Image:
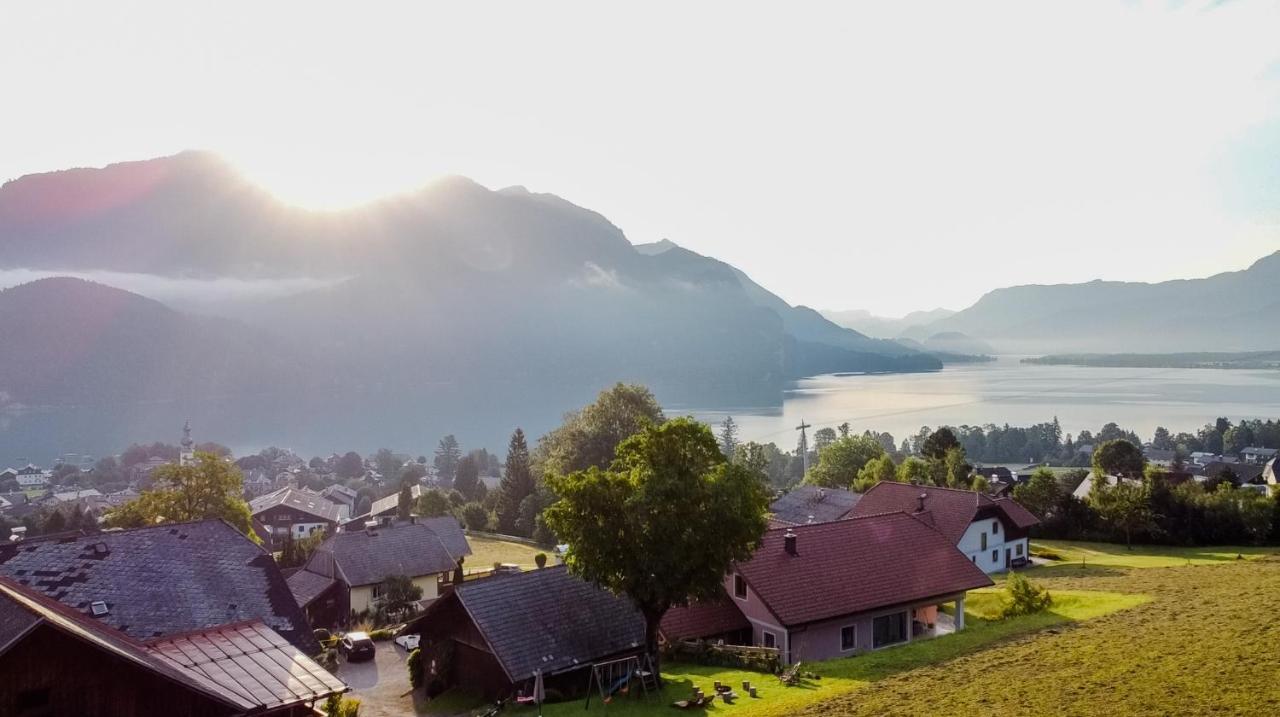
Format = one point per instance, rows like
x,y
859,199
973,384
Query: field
x,y
485,551
1144,556
1204,644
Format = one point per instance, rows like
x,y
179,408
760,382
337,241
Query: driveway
x,y
380,683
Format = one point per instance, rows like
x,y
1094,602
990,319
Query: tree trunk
x,y
652,621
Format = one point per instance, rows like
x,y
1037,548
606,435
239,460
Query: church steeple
x,y
187,456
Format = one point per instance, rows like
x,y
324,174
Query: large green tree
x,y
1119,457
517,483
841,461
448,454
664,524
1126,506
590,436
210,488
1041,494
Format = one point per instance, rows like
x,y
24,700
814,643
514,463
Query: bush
x,y
328,659
414,664
381,635
540,559
339,706
1046,553
1024,597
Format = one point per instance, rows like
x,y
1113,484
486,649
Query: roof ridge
x,y
846,519
206,630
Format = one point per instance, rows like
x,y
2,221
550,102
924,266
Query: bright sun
x,y
334,181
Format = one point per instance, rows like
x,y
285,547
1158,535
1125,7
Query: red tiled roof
x,y
849,566
703,619
952,510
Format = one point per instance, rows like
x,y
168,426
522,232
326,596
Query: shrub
x,y
540,559
414,663
1024,597
328,659
1046,553
381,634
339,706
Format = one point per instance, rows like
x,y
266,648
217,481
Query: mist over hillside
x,y
443,309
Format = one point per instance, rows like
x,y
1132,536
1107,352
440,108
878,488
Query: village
x,y
325,602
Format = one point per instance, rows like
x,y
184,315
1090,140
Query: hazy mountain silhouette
x,y
1231,311
452,285
881,326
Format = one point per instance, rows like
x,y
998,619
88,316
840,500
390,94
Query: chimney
x,y
789,542
920,502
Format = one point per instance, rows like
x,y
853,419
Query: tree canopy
x,y
1119,457
589,437
517,483
664,523
211,488
842,460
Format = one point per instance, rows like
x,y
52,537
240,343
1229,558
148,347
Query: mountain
x,y
489,308
1231,311
71,341
882,326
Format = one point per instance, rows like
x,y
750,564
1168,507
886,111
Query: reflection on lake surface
x,y
1006,391
413,419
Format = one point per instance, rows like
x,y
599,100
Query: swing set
x,y
614,677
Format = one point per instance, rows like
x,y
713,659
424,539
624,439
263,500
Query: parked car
x,y
507,569
357,646
408,642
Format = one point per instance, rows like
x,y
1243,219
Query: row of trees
x,y
1146,505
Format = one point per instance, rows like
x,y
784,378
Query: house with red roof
x,y
834,589
993,533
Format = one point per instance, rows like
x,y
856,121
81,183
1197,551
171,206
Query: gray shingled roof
x,y
162,580
405,548
549,620
302,501
307,586
15,621
812,504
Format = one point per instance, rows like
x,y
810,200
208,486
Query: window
x,y
848,637
376,592
995,556
995,527
739,587
768,638
1017,550
974,559
889,629
984,541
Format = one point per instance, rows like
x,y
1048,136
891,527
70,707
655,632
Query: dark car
x,y
357,646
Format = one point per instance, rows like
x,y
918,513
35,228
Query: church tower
x,y
187,457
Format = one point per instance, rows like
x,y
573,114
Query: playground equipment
x,y
614,677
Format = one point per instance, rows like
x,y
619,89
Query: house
x,y
386,507
813,504
32,477
58,660
341,495
995,473
292,511
1258,455
8,474
163,580
1201,457
1241,473
72,495
1271,476
828,590
345,574
991,532
1160,457
715,620
498,631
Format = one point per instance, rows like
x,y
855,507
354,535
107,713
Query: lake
x,y
1007,391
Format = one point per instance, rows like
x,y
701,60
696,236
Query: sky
x,y
889,156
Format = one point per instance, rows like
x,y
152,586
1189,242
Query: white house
x,y
32,477
1253,454
991,532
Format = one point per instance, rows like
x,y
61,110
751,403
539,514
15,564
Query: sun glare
x,y
335,183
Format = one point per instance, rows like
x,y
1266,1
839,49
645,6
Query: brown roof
x,y
254,662
247,666
854,565
703,619
951,510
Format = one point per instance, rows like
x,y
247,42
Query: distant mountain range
x,y
1231,311
882,326
443,290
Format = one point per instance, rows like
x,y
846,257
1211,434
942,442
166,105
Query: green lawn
x,y
843,676
1205,643
485,551
1144,556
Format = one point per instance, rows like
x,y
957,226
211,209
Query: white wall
x,y
971,545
